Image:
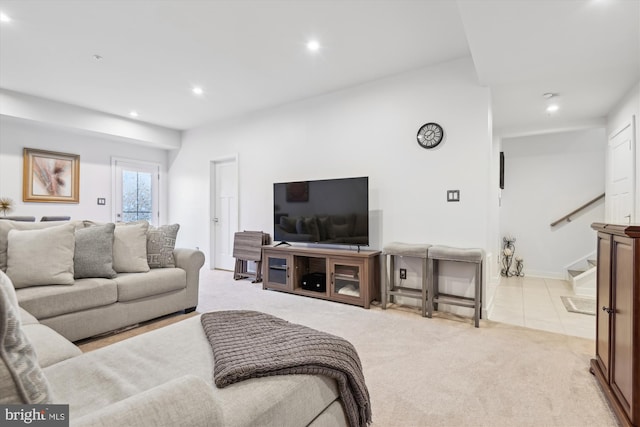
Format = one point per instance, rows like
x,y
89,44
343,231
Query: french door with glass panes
x,y
135,191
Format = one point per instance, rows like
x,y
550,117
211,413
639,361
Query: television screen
x,y
330,211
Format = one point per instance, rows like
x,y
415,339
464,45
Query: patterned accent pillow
x,y
21,378
161,241
93,256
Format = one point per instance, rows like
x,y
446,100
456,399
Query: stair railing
x,y
568,216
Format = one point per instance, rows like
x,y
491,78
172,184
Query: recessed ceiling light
x,y
197,90
133,113
552,108
4,17
313,45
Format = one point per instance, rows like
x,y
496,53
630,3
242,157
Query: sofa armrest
x,y
185,401
190,260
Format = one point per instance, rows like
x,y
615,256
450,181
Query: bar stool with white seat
x,y
445,253
389,253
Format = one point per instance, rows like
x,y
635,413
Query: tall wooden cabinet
x,y
338,275
617,360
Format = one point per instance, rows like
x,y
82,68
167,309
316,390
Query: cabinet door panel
x,y
276,271
346,280
604,300
622,331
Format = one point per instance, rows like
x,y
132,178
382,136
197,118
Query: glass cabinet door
x,y
346,279
277,271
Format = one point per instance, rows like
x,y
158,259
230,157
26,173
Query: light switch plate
x,y
102,201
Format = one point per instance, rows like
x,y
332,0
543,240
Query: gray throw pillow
x,y
161,241
21,378
93,256
41,257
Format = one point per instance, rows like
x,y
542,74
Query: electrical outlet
x,y
453,195
403,273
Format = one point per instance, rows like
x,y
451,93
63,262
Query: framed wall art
x,y
50,177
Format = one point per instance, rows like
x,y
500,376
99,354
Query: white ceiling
x,y
250,54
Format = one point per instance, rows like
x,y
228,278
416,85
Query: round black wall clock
x,y
430,135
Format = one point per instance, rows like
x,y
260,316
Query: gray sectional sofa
x,y
53,272
160,378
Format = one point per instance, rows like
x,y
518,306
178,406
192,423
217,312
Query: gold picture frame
x,y
50,177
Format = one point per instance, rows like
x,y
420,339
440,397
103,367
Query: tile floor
x,y
535,303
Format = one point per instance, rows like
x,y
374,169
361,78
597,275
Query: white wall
x,y
95,152
546,177
628,107
368,130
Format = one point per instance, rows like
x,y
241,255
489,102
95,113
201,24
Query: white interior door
x,y
224,212
621,176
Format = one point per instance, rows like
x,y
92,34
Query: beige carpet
x,y
442,371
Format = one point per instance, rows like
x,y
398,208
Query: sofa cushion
x,y
184,401
50,346
161,241
49,301
41,257
21,378
27,318
130,247
157,281
6,226
93,255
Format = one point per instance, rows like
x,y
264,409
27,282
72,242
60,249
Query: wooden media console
x,y
340,275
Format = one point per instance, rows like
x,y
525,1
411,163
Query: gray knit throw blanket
x,y
250,344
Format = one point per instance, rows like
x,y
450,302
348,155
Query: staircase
x,y
582,276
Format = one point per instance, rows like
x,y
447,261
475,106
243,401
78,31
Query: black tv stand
x,y
282,244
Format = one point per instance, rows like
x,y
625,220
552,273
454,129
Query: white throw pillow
x,y
130,247
41,257
6,226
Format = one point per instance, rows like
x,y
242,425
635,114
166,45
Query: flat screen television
x,y
328,211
